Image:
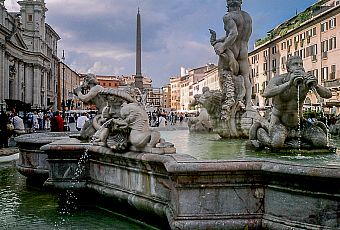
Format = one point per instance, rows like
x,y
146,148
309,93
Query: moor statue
x,y
287,124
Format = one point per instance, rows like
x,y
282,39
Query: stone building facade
x,y
28,56
108,81
183,88
314,35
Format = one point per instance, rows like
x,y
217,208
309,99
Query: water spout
x,y
299,118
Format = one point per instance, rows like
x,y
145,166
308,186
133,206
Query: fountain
x,y
287,128
230,109
129,165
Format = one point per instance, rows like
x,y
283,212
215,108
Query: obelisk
x,y
139,77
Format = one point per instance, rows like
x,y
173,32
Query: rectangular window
x,y
265,66
302,53
30,18
274,64
265,53
332,23
302,36
324,26
283,62
324,46
274,50
324,73
314,49
333,71
314,31
315,73
332,43
289,42
283,45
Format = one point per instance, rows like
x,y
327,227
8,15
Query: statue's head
x,y
294,63
205,89
89,79
234,3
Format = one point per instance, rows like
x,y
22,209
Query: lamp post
x,y
63,106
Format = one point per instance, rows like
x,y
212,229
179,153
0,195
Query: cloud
x,y
99,35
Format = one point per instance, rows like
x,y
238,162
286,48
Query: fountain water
x,y
299,116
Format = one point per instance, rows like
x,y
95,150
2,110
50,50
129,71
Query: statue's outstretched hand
x,y
311,81
212,37
77,90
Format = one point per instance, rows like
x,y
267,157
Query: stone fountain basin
x,y
32,162
185,193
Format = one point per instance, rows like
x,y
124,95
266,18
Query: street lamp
x,y
63,58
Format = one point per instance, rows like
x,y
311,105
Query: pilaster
x,y
2,71
36,86
29,83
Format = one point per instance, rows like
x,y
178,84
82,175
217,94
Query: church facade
x,y
28,57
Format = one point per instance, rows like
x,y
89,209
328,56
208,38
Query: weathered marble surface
x,y
32,162
287,127
121,124
233,103
188,194
202,123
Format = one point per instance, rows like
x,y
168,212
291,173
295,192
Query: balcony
x,y
335,83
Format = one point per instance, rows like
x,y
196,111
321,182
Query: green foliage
x,y
291,24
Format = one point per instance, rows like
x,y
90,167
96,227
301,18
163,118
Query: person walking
x,y
57,123
81,121
18,123
35,121
4,132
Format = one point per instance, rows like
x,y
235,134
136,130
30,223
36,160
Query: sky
x,y
98,36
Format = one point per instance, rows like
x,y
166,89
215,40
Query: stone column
x,y
43,90
29,82
6,75
2,72
20,80
36,85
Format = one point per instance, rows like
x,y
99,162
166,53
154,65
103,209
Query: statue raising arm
x,y
312,82
86,98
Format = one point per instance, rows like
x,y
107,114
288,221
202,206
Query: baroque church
x,y
28,58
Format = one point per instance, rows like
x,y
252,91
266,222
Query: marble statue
x,y
122,123
235,115
91,85
133,127
232,50
287,126
100,97
201,123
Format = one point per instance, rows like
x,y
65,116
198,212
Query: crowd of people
x,y
14,124
162,118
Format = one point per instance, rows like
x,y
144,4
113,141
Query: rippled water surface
x,y
211,147
23,207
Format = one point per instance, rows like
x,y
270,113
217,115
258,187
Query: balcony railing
x,y
332,83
